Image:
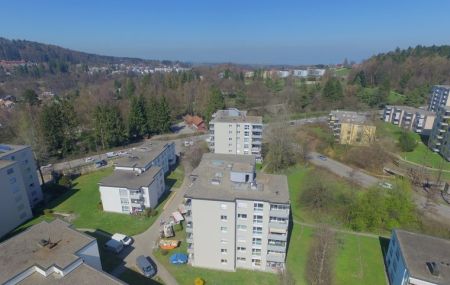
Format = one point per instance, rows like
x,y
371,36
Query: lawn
x,y
395,98
175,178
343,71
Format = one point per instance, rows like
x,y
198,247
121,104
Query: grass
x,y
175,178
395,98
342,72
297,258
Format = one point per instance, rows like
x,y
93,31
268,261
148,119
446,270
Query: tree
x,y
137,119
163,118
281,148
215,102
407,142
319,268
130,87
333,89
317,195
30,97
109,128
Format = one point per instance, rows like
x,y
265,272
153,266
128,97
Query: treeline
x,y
409,71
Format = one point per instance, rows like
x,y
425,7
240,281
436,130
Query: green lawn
x,y
175,178
301,238
395,98
343,71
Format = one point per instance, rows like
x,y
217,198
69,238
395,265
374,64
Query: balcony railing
x,y
279,213
276,257
278,225
282,237
273,247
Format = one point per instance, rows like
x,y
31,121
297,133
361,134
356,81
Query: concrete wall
x,y
14,205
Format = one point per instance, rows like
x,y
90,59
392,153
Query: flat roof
x,y
83,274
217,168
235,116
412,109
418,249
6,149
350,117
140,157
24,250
131,179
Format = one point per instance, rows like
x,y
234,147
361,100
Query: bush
x,y
164,252
407,142
199,281
149,212
65,181
48,212
100,206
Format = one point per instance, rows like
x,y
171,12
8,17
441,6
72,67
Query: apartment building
x,y
440,135
235,217
27,166
130,192
410,118
439,97
351,127
233,132
52,253
138,178
14,206
417,259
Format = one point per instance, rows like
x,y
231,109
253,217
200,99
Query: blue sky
x,y
260,32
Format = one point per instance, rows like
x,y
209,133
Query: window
x,y
124,201
241,227
246,133
246,145
230,132
256,241
241,248
245,139
242,216
223,206
223,217
10,171
256,251
246,127
258,207
257,230
257,219
230,139
223,261
223,251
256,262
125,209
241,259
230,125
223,229
279,207
230,144
277,220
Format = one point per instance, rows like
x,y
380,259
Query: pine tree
x,y
109,128
163,118
137,119
216,102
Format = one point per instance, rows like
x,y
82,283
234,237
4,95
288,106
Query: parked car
x,y
145,266
89,159
122,153
125,240
114,246
385,185
111,154
188,143
100,163
322,157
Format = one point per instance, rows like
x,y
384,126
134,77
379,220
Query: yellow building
x,y
351,128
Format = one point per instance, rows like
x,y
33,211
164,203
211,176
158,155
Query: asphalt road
x,y
343,170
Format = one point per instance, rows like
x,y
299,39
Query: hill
x,y
44,53
407,71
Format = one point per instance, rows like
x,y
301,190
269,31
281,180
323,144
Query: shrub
x,y
199,281
48,212
100,206
65,181
149,212
407,142
164,252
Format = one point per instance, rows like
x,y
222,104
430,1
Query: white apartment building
x,y
410,118
233,132
130,192
417,259
439,97
14,206
27,166
52,253
138,179
440,134
235,217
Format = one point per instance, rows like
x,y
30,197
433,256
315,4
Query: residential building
x,y
155,153
417,259
283,73
27,166
236,218
316,72
410,118
233,132
440,135
14,206
351,127
138,179
195,122
130,192
439,97
300,73
52,253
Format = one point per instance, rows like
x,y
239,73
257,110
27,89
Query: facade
x,y
417,259
235,217
27,165
414,119
130,192
14,206
52,253
440,135
439,97
351,128
138,179
233,132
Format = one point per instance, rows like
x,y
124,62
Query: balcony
x,y
137,203
256,134
274,236
188,204
277,225
190,238
279,213
437,144
276,257
190,248
211,139
279,248
189,227
211,126
256,150
136,195
439,137
257,127
256,142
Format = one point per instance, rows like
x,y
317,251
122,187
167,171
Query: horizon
x,y
253,33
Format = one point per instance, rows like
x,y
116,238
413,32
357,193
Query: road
x,y
343,170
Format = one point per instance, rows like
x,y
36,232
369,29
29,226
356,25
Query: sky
x,y
246,31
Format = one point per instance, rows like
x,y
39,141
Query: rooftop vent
x,y
434,268
47,243
215,181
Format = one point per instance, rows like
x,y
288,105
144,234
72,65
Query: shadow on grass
x,y
170,182
384,245
132,277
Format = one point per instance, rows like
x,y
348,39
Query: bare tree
x,y
285,278
319,269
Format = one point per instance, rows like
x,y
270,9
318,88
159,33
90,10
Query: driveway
x,y
343,170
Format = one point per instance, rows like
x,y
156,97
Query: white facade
x,y
233,132
24,156
300,73
440,134
439,97
414,119
14,206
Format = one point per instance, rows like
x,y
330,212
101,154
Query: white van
x,y
125,240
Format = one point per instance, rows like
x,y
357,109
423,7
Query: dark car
x,y
145,266
100,163
322,157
